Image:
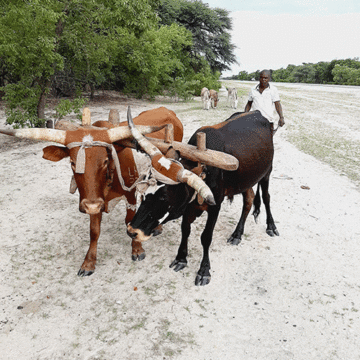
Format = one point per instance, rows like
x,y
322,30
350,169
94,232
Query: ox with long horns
x,y
247,138
103,165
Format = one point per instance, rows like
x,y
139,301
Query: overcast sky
x,y
273,34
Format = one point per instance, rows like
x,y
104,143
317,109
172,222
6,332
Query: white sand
x,y
296,296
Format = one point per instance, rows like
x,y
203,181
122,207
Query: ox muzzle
x,y
137,234
92,207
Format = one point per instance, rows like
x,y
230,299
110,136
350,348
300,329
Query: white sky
x,y
270,34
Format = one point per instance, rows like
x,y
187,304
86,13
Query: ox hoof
x,y
178,265
83,272
234,240
202,280
272,233
138,257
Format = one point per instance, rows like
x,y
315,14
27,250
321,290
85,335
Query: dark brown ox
x,y
249,138
95,170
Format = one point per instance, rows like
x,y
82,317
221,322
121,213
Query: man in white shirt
x,y
265,98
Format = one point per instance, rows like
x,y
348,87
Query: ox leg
x,y
189,217
203,276
137,251
257,203
271,228
88,266
248,198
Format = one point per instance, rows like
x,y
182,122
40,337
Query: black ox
x,y
248,137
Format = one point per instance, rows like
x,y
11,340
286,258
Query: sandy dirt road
x,y
296,296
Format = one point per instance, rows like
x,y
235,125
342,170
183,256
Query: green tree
x,y
283,75
39,38
346,75
345,72
243,75
323,73
28,50
155,61
304,73
210,31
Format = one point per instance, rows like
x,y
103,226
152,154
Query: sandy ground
x,y
296,296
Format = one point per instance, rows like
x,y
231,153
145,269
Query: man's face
x,y
264,80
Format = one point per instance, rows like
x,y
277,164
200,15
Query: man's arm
x,y
278,108
248,106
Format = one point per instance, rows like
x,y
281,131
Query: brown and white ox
x,y
205,98
214,97
98,157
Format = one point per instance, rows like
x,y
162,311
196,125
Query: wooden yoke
x,y
201,143
198,154
169,133
202,155
209,157
114,117
86,117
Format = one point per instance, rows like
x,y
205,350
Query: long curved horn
x,y
123,132
148,147
198,185
54,135
168,168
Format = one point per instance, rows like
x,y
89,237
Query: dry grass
x,y
322,121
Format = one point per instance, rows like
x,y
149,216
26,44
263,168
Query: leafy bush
x,y
206,79
182,88
21,106
67,106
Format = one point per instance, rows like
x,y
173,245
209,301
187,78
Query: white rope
x,y
142,183
80,160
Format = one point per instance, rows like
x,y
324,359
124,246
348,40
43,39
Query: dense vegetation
x,y
342,72
142,47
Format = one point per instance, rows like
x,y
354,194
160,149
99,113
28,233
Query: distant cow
x,y
214,98
232,97
103,166
205,98
249,138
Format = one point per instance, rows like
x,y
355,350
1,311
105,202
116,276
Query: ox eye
x,y
73,165
106,162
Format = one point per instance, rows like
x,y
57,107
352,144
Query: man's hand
x,y
281,121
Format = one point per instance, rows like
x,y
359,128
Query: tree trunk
x,y
92,87
42,100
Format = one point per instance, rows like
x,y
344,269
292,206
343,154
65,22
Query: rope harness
x,y
80,160
142,183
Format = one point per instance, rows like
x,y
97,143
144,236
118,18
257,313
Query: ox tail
x,y
257,203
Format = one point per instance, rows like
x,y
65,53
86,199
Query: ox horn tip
x,y
129,118
210,200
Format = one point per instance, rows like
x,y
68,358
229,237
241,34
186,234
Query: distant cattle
x,y
205,98
232,97
249,138
214,98
103,165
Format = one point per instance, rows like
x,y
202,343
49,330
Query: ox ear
x,y
55,153
199,170
173,154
